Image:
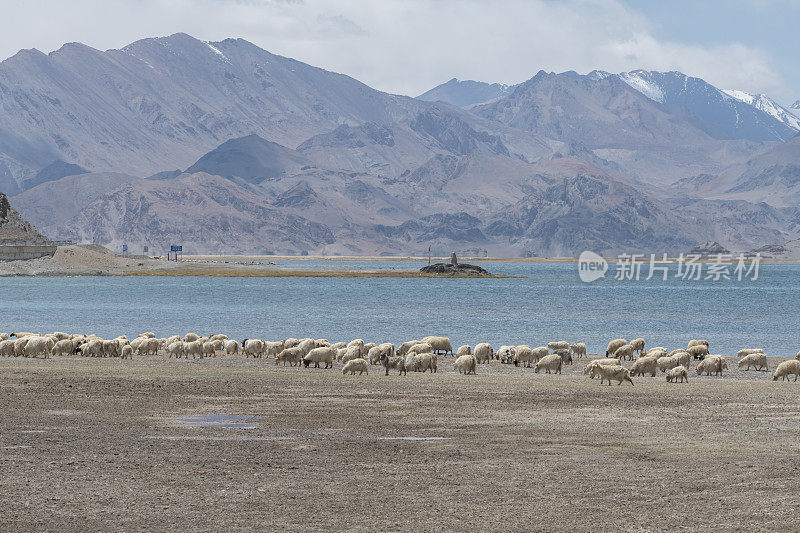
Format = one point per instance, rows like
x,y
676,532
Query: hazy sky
x,y
409,46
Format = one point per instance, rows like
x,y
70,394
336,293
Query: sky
x,y
410,46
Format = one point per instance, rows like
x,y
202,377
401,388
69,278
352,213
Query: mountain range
x,y
225,147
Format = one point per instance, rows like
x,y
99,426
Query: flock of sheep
x,y
416,355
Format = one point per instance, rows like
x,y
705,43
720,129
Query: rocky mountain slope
x,y
13,227
224,147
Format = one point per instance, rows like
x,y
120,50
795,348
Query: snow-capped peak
x,y
216,50
640,80
766,104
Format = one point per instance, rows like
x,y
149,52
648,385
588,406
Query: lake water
x,y
548,303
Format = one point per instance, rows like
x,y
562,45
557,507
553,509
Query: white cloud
x,y
402,46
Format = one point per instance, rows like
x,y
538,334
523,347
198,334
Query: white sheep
x,y
698,350
337,345
758,360
578,349
421,362
711,364
193,348
550,363
523,355
684,358
308,344
787,368
483,352
403,348
127,352
397,361
208,350
254,347
624,352
7,348
177,349
656,352
355,365
64,347
190,337
290,342
322,343
538,353
505,354
678,375
319,355
231,347
609,372
148,335
439,344
293,356
272,348
698,342
464,350
613,345
558,345
797,356
595,362
352,352
637,345
422,347
644,365
748,351
668,363
374,355
37,346
3,336
465,364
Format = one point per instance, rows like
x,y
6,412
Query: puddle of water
x,y
208,437
413,438
218,421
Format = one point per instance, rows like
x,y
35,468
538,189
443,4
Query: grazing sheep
x,y
19,344
308,344
405,347
797,356
340,353
193,348
272,348
293,356
464,350
758,360
698,351
624,352
668,363
58,335
787,368
523,355
483,352
208,349
218,337
566,356
465,364
748,351
374,355
254,347
637,345
614,345
64,347
322,343
352,352
397,361
7,348
355,365
578,349
439,344
538,353
506,354
387,348
609,372
424,362
147,346
711,364
191,337
550,363
290,342
317,356
127,352
337,345
684,358
177,349
231,347
22,335
644,365
148,335
3,336
422,347
37,346
602,361
558,345
656,352
678,375
698,342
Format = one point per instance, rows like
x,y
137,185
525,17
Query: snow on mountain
x,y
642,81
767,105
465,93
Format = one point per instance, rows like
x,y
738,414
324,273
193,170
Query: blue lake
x,y
548,303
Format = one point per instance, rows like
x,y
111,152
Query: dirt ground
x,y
233,444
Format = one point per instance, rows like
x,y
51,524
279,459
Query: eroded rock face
x,y
14,227
709,248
